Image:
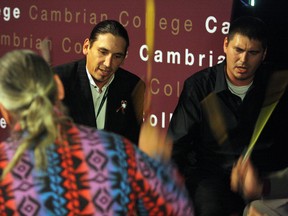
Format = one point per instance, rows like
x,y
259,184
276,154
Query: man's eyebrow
x,y
249,50
122,54
102,48
237,47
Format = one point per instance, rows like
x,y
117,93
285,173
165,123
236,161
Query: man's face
x,y
104,57
243,57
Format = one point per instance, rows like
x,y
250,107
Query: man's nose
x,y
108,60
244,57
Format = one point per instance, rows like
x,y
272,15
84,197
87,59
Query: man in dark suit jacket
x,y
98,92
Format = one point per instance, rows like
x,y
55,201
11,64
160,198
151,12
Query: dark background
x,y
275,14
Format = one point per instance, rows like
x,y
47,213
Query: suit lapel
x,y
114,121
87,107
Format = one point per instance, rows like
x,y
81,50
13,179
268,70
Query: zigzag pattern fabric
x,y
91,173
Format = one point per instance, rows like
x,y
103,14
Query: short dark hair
x,y
251,27
109,26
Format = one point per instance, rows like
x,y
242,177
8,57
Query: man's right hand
x,y
245,180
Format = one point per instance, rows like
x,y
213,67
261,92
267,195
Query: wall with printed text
x,y
188,37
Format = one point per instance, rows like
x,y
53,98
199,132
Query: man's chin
x,y
101,79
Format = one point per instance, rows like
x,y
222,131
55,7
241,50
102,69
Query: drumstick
x,y
263,117
150,26
215,117
275,90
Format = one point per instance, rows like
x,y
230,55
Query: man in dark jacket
x,y
98,93
215,118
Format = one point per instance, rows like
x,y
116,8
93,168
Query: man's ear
x,y
225,44
85,47
264,55
60,87
5,114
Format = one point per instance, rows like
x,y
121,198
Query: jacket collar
x,y
220,84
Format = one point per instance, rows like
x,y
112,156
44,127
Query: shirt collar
x,y
220,84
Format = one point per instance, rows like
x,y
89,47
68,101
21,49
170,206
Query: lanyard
x,y
102,101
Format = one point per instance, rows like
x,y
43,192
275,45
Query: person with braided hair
x,y
52,166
